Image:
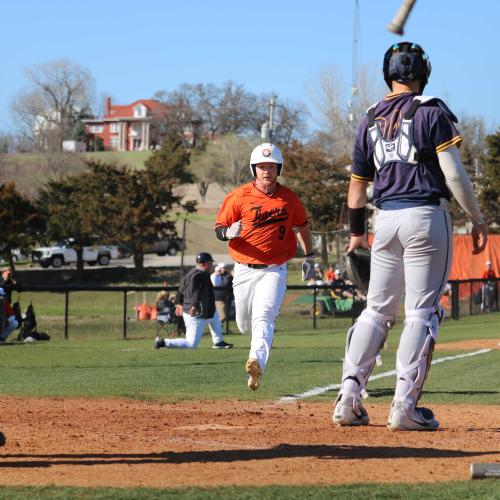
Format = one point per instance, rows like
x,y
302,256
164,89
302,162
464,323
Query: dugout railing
x,y
462,298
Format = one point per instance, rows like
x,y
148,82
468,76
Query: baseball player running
x,y
407,146
196,304
261,220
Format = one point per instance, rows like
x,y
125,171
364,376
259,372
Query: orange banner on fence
x,y
468,266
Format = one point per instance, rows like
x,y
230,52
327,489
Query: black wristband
x,y
310,255
356,221
220,232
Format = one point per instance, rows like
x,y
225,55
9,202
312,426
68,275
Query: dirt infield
x,y
123,443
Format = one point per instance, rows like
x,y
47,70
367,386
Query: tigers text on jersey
x,y
266,236
398,184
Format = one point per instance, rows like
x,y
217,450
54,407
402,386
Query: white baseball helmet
x,y
266,153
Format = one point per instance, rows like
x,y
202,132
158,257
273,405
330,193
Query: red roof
x,y
128,110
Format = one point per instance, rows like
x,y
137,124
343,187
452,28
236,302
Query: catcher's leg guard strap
x,y
415,352
364,341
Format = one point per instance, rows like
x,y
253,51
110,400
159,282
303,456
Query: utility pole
x,y
267,129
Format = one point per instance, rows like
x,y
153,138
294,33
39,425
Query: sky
x,y
134,49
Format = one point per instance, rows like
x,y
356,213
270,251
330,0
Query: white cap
x,y
221,265
338,271
488,263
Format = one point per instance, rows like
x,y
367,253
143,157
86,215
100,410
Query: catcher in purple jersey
x,y
407,146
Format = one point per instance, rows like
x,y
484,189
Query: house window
x,y
139,111
114,143
114,128
96,129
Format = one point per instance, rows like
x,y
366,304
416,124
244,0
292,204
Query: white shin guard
x,y
411,375
364,341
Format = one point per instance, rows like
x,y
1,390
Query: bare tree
x,y
219,110
289,120
46,111
335,111
224,162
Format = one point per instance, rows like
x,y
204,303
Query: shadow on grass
x,y
279,452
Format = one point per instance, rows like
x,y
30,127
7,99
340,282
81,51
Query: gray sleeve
x,y
459,183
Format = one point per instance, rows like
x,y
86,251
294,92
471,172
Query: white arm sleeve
x,y
459,183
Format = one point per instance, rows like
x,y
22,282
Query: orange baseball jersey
x,y
266,236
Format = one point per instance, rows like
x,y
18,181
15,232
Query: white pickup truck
x,y
63,253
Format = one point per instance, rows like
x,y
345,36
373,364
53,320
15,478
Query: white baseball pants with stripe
x,y
411,254
258,295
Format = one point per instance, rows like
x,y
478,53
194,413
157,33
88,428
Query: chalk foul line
x,y
316,391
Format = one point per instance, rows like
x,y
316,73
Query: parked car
x,y
17,256
63,253
167,246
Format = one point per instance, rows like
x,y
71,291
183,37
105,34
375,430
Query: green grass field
x,y
96,362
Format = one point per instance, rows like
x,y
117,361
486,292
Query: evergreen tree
x,y
20,222
134,208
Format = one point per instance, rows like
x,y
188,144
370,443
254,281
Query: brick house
x,y
125,128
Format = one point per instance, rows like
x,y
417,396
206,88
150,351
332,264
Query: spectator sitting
x,y
10,322
165,308
338,284
329,275
318,273
8,282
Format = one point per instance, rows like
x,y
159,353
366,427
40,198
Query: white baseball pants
x,y
411,254
194,331
258,295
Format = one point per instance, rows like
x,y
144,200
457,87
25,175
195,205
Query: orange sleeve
x,y
229,212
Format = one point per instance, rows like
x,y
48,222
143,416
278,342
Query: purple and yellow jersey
x,y
397,184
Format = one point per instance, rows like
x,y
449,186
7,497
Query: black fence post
x,y
227,305
471,287
2,315
314,306
66,313
455,300
125,314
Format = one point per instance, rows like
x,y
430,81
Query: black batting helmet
x,y
203,257
405,62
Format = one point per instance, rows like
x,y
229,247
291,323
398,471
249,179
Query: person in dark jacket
x,y
9,316
196,304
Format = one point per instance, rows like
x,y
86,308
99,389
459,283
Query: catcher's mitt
x,y
357,266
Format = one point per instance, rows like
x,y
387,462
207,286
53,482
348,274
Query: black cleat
x,y
222,345
159,343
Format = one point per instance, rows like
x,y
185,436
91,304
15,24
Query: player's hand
x,y
357,242
234,230
479,236
179,310
308,268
